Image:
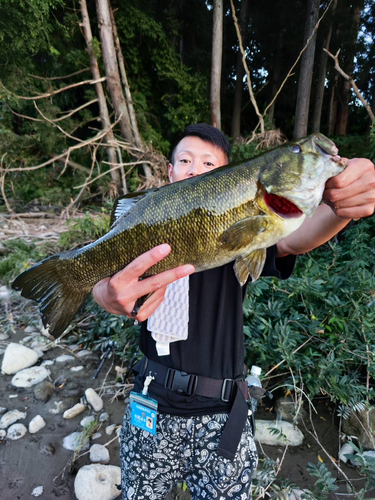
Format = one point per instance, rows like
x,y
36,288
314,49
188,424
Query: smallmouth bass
x,y
232,213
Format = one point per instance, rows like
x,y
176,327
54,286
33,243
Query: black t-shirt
x,y
215,344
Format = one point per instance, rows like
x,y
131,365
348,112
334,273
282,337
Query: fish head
x,y
294,181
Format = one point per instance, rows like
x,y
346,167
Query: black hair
x,y
207,133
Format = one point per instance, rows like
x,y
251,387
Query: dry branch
x,y
352,83
49,78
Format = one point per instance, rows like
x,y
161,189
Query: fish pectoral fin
x,y
126,202
241,233
250,264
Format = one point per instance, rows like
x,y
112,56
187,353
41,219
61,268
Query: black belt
x,y
223,389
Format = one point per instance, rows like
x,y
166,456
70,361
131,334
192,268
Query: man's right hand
x,y
118,294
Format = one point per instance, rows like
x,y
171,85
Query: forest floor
x,y
40,459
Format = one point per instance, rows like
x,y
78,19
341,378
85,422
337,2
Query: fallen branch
x,y
352,83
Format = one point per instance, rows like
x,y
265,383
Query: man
x,y
203,433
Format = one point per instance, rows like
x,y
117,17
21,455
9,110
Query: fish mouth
x,y
282,206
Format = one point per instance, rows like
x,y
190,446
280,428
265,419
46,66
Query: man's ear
x,y
170,172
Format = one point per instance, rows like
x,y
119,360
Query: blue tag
x,y
143,411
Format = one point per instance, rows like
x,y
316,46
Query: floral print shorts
x,y
184,449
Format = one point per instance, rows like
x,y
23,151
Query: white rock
x,y
346,449
47,362
16,431
73,347
77,368
17,357
104,417
97,435
109,430
42,345
4,292
11,417
58,407
30,376
29,329
4,336
93,399
2,351
97,482
99,454
13,396
64,358
83,353
36,424
291,435
358,462
74,411
87,420
72,442
3,434
3,409
38,491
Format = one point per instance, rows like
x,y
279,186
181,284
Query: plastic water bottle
x,y
254,380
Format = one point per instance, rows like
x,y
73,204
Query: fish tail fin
x,y
49,283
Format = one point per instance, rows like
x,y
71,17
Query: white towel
x,y
170,321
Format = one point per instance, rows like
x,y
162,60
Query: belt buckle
x,y
224,390
181,382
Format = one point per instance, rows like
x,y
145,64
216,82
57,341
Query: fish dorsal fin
x,y
250,264
126,202
241,233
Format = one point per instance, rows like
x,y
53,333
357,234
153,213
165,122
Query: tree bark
x,y
103,109
306,72
111,69
217,51
240,72
332,109
320,84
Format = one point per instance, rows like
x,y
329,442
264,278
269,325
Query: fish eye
x,y
295,149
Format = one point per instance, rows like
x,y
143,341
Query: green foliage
x,y
90,227
242,151
325,482
21,256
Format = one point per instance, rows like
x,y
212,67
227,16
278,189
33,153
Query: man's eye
x,y
184,160
209,164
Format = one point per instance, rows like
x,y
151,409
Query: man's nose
x,y
195,168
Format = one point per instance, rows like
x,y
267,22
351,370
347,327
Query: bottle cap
x,y
256,370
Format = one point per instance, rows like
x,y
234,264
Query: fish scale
x,y
209,220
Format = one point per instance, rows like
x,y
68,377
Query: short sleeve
x,y
279,267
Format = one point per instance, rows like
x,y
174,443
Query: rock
x,y
358,462
93,399
76,410
87,420
97,435
36,424
97,482
362,425
109,430
286,409
3,434
73,442
4,292
4,336
41,345
103,417
77,368
291,435
30,376
38,491
11,417
295,494
64,358
2,410
29,329
16,431
17,357
44,390
70,389
47,362
83,353
47,449
346,449
99,454
13,396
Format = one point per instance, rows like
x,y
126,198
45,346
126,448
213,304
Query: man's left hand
x,y
351,194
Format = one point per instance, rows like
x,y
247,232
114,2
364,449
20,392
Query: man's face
x,y
193,157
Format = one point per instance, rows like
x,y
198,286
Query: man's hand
x,y
351,194
118,294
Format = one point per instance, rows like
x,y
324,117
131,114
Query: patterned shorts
x,y
183,449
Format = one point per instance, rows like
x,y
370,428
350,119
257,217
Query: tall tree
x,y
217,54
306,71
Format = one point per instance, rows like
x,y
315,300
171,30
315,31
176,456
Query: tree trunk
x,y
240,71
306,72
332,110
103,109
320,84
217,50
111,69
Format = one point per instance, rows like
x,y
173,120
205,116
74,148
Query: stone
x,y
36,424
16,431
72,442
44,390
87,420
109,430
103,417
3,434
359,462
93,399
64,358
345,449
2,410
29,329
97,435
47,362
17,357
83,353
77,368
11,417
38,491
361,424
291,435
42,345
99,454
30,376
4,292
97,482
4,336
74,411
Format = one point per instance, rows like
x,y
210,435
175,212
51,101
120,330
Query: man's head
x,y
201,148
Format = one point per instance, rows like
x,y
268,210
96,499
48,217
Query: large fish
x,y
232,213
